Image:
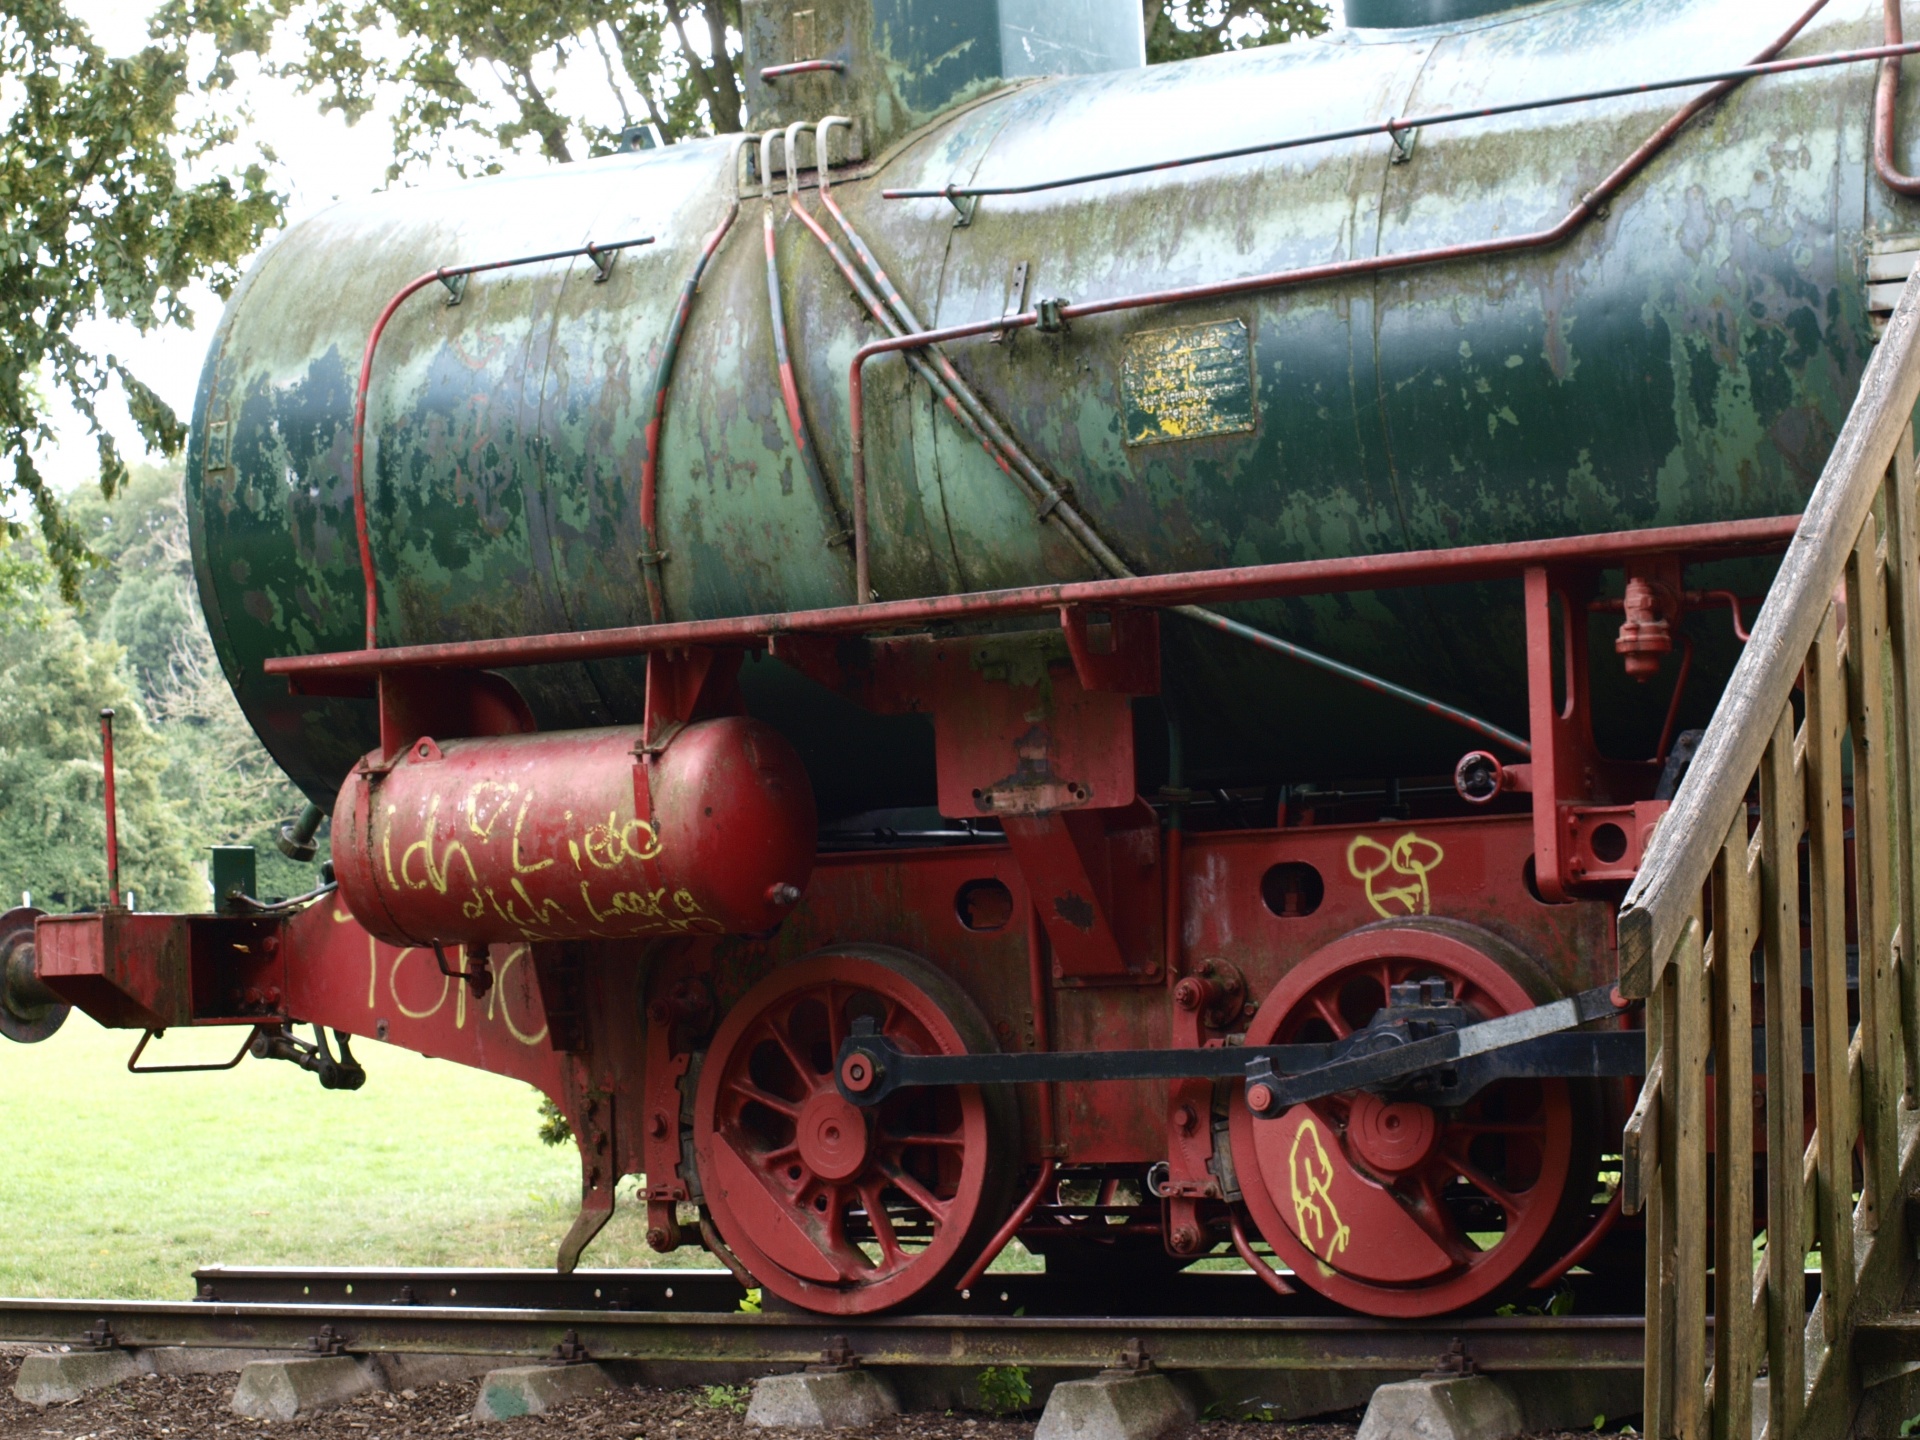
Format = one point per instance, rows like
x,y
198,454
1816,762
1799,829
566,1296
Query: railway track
x,y
1222,1322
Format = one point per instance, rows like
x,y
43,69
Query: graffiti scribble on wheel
x,y
1310,1176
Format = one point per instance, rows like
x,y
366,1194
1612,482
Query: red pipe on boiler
x,y
1886,97
653,557
446,275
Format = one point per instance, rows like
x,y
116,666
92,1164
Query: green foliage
x,y
731,1398
1909,1425
554,1126
191,773
471,82
1182,29
750,1302
54,679
102,219
1005,1390
1561,1302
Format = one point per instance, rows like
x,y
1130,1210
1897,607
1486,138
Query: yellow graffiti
x,y
610,845
500,992
520,867
433,862
477,798
436,870
1412,857
648,905
393,988
1310,1177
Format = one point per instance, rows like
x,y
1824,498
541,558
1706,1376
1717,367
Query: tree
x,y
143,601
494,77
102,216
53,680
1182,29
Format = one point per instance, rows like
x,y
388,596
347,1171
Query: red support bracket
x,y
445,705
1118,653
687,685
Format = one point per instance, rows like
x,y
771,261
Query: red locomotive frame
x,y
1097,922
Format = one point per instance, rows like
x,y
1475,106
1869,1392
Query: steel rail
x,y
445,275
1252,582
1297,1342
1891,51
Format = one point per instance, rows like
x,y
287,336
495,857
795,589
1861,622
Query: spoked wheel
x,y
830,1206
1397,1208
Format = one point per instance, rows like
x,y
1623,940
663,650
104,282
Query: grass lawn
x,y
118,1184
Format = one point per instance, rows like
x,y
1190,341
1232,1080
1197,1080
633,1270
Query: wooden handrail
x,y
1666,893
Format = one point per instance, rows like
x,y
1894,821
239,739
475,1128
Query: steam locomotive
x,y
1041,648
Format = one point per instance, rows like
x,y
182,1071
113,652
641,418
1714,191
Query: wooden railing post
x,y
1780,826
1736,914
1827,888
1840,626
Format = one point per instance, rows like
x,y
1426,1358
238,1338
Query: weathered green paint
x,y
1688,357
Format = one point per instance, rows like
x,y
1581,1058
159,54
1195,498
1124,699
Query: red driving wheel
x,y
830,1206
1396,1208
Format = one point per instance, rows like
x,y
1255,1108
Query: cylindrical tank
x,y
1686,357
577,835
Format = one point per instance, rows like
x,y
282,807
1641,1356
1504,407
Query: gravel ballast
x,y
196,1406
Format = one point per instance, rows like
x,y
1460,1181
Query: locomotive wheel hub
x,y
1390,1139
832,1207
832,1135
1395,1208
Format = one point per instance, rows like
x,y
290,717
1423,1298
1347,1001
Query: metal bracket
x,y
1016,305
570,1351
456,287
1051,321
327,1341
134,1065
603,262
1453,1365
965,204
100,1337
837,1359
1404,138
477,977
1133,1360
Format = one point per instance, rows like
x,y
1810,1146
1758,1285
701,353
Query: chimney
x,y
893,65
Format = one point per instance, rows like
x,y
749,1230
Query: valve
x,y
1646,634
1479,777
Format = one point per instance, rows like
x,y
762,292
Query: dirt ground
x,y
198,1406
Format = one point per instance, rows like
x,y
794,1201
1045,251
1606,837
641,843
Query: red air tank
x,y
577,835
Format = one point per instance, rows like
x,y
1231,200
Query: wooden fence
x,y
1786,868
